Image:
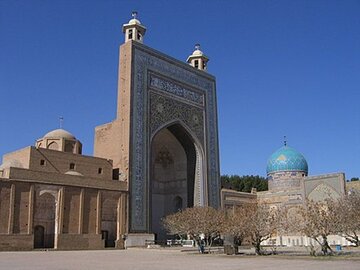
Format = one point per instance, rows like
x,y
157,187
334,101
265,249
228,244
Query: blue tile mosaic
x,y
286,159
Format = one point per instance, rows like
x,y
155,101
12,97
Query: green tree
x,y
244,183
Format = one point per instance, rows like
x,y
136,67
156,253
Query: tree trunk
x,y
238,240
354,238
210,244
325,247
257,247
312,250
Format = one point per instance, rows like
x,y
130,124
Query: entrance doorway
x,y
39,236
44,220
108,219
175,175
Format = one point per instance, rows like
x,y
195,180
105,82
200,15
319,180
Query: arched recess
x,y
176,173
69,147
44,220
177,203
322,192
53,146
109,217
39,236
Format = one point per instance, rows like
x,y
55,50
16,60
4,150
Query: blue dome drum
x,y
285,168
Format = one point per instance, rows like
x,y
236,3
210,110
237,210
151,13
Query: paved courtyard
x,y
133,259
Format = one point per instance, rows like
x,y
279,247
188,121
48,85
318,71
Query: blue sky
x,y
282,67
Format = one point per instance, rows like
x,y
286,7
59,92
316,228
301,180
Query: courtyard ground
x,y
160,259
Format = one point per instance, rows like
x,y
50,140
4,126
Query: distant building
x,y
289,187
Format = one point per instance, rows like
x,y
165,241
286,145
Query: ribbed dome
x,y
286,159
60,133
134,21
197,52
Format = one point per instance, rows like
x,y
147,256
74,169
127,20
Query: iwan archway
x,y
177,178
164,136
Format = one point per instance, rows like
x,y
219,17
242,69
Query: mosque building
x,y
289,183
289,186
160,154
52,196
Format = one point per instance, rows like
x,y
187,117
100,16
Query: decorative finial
x,y
285,141
61,121
197,46
134,14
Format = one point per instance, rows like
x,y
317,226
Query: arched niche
x,y
176,174
45,218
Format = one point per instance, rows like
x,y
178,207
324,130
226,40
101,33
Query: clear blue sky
x,y
283,68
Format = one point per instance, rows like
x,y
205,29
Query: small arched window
x,y
178,203
53,146
69,147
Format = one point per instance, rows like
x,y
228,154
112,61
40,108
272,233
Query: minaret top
x,y
198,59
134,20
134,30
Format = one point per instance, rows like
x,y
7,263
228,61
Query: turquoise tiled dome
x,y
286,159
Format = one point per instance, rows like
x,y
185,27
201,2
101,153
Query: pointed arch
x,y
45,218
183,125
53,146
183,177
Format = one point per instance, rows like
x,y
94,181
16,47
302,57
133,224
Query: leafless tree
x,y
261,224
317,220
235,223
255,221
348,215
196,222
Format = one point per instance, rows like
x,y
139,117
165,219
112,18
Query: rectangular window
x,y
104,235
100,171
72,166
42,162
196,63
130,34
116,174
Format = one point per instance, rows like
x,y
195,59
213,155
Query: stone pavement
x,y
161,259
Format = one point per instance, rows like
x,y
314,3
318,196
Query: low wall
x,y
138,239
80,241
16,242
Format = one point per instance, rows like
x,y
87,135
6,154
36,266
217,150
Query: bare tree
x,y
236,223
348,215
255,221
317,220
196,222
261,224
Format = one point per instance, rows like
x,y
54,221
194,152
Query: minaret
x,y
198,59
134,30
